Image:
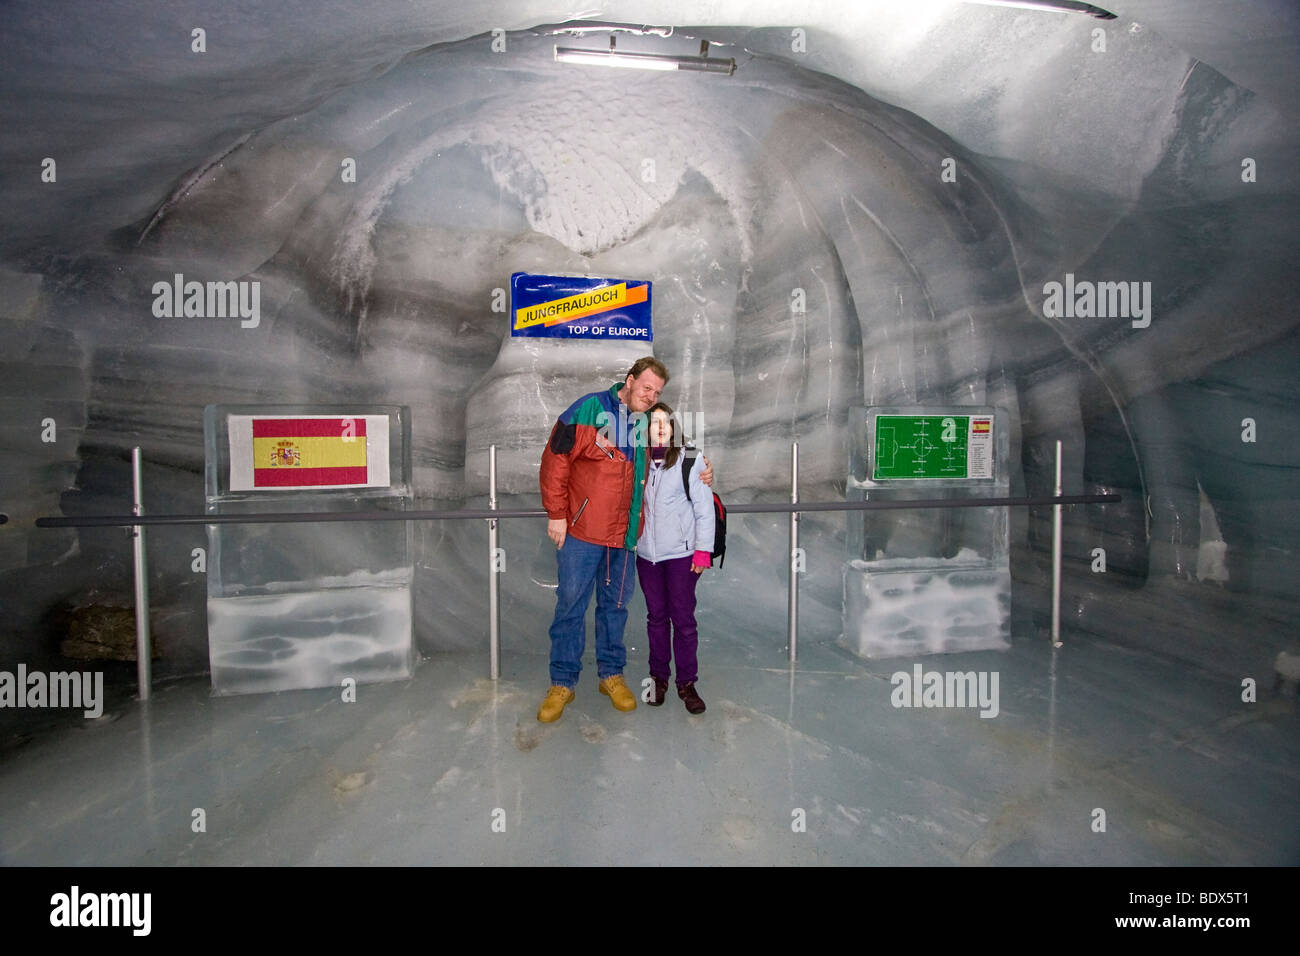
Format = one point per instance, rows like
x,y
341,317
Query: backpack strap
x,y
688,462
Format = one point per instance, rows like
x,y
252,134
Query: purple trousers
x,y
669,589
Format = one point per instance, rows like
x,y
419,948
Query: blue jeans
x,y
611,571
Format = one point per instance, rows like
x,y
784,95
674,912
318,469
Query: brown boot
x,y
659,693
693,703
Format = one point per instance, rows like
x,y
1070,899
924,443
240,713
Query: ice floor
x,y
421,771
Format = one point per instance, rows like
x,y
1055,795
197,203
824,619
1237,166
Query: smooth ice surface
x,y
416,772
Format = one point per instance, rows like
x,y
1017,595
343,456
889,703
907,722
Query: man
x,y
592,478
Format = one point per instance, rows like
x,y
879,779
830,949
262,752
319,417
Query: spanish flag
x,y
979,425
309,452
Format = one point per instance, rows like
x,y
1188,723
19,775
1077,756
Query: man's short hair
x,y
651,363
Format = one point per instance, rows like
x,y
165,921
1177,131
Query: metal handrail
x,y
492,514
287,517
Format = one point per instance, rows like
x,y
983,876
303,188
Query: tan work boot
x,y
616,690
553,706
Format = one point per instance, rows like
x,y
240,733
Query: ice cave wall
x,y
472,164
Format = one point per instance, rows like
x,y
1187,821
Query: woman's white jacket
x,y
674,526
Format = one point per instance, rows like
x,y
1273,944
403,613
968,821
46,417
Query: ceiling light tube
x,y
1054,6
646,61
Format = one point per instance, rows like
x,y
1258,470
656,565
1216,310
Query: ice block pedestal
x,y
297,605
935,580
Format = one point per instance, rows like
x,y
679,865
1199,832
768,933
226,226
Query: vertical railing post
x,y
142,643
793,625
1056,556
494,584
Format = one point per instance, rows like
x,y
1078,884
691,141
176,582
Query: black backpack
x,y
719,509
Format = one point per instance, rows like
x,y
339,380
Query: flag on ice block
x,y
309,451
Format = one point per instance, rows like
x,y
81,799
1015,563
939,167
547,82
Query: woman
x,y
673,551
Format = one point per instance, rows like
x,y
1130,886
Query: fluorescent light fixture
x,y
1053,6
647,61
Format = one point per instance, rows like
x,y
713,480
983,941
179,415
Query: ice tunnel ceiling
x,y
921,173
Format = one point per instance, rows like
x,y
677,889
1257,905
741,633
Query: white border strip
x,y
239,429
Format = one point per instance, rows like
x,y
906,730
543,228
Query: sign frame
x,y
581,307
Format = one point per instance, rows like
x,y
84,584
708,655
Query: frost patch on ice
x,y
966,557
589,193
482,691
272,642
448,780
1212,553
392,578
351,782
943,606
529,736
739,828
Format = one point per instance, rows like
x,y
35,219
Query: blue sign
x,y
576,307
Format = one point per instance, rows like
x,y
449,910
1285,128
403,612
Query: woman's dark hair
x,y
674,442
